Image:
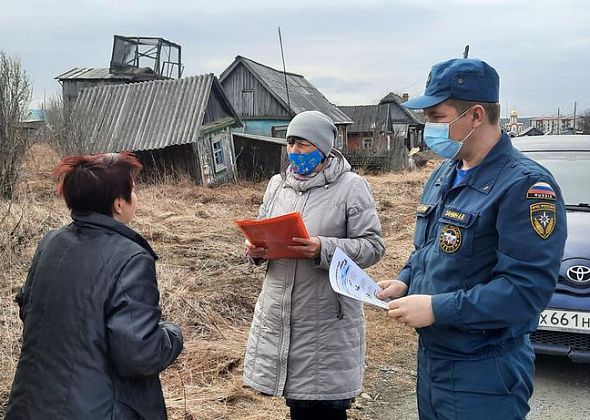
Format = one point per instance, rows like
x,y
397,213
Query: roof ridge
x,y
238,57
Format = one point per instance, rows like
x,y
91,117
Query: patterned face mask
x,y
305,163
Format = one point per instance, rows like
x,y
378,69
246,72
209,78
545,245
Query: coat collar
x,y
483,176
98,220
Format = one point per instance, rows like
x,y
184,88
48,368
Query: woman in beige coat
x,y
306,342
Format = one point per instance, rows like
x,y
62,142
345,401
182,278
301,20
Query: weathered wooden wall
x,y
170,162
250,98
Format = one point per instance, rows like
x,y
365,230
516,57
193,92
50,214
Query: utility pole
x,y
284,69
466,51
575,104
558,121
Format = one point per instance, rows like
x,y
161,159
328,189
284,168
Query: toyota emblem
x,y
579,274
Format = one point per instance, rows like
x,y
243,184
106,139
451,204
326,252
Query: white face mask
x,y
436,136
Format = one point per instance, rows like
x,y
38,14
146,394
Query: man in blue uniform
x,y
489,238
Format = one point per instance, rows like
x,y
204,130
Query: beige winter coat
x,y
306,342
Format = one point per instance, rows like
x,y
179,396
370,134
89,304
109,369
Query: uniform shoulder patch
x,y
422,209
543,218
541,190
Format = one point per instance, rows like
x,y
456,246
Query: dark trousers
x,y
492,388
318,410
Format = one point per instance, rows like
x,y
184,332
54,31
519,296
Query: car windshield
x,y
571,169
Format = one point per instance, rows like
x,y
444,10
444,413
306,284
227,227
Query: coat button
x,y
300,192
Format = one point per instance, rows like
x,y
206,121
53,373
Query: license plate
x,y
569,321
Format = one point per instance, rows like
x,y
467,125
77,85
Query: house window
x,y
367,143
218,156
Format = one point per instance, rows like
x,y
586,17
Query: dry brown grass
x,y
206,286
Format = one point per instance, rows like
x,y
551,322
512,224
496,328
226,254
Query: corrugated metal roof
x,y
86,73
89,73
303,96
144,116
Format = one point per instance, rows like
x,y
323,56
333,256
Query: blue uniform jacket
x,y
488,250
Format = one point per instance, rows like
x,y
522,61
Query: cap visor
x,y
422,102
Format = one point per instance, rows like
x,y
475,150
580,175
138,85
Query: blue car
x,y
564,327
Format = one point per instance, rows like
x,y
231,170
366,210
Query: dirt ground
x,y
208,288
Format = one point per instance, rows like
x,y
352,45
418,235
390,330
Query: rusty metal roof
x,y
146,116
303,96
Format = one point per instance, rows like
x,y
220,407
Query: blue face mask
x,y
305,163
436,136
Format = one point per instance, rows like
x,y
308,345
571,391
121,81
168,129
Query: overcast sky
x,y
353,51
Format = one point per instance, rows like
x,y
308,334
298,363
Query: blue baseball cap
x,y
466,79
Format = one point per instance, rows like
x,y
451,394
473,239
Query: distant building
x,y
33,120
513,127
73,81
378,127
549,124
556,124
382,134
133,59
508,123
531,131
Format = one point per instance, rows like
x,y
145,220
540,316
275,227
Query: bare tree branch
x,y
15,95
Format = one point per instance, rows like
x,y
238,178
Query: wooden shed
x,y
176,127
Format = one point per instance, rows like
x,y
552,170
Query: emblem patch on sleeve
x,y
450,239
543,218
541,190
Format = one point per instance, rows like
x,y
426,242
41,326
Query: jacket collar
x,y
484,176
98,220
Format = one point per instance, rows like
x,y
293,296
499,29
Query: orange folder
x,y
275,234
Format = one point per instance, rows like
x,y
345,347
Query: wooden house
x,y
382,134
266,99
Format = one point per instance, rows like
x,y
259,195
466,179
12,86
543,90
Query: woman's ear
x,y
117,206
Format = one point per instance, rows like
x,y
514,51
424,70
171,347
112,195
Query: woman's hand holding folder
x,y
308,248
254,251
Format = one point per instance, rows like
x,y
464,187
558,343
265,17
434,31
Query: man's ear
x,y
479,115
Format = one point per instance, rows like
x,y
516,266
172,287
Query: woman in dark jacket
x,y
93,343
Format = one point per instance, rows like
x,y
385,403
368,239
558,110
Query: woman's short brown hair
x,y
93,182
